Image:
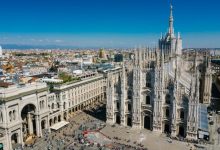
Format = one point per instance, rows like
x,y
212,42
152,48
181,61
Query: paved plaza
x,y
149,139
87,131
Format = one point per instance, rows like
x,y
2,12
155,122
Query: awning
x,y
59,125
202,133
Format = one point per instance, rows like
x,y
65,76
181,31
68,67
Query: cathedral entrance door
x,y
118,119
181,131
129,121
147,122
166,128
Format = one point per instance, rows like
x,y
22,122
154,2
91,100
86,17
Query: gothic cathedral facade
x,y
159,89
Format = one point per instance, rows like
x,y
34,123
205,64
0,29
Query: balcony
x,y
146,107
180,120
166,105
127,112
116,110
145,89
180,105
116,98
127,100
165,118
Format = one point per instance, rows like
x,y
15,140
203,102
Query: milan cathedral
x,y
160,89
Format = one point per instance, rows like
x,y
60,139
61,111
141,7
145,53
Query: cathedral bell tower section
x,y
193,113
169,43
110,100
158,92
137,86
123,96
206,81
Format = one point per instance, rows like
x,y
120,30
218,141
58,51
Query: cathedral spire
x,y
195,62
171,29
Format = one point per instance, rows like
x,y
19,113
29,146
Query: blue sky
x,y
107,23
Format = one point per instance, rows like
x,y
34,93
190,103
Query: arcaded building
x,y
27,110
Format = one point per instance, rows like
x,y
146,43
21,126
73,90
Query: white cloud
x,y
58,41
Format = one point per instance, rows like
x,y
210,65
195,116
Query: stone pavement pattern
x,y
67,137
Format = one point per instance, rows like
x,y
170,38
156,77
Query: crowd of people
x,y
71,137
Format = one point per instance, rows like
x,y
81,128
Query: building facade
x,y
25,111
159,89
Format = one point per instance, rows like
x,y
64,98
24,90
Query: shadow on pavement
x,y
215,101
99,112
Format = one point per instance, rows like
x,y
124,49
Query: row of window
x,y
50,98
12,115
181,113
90,86
42,104
129,107
89,91
56,106
83,96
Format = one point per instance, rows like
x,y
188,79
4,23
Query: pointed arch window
x,y
52,106
10,116
182,114
148,100
1,117
129,107
168,99
14,115
167,113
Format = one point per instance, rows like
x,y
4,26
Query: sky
x,y
108,23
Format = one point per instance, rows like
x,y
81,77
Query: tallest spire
x,y
171,30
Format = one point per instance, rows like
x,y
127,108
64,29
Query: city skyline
x,y
107,24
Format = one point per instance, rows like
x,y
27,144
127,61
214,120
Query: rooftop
x,y
14,91
78,82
